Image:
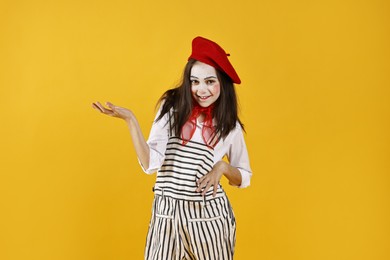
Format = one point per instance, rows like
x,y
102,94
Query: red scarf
x,y
208,130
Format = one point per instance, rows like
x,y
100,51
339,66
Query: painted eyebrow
x,y
209,77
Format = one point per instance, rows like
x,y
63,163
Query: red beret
x,y
209,52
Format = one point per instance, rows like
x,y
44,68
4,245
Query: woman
x,y
196,126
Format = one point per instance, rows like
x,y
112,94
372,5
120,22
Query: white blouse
x,y
233,146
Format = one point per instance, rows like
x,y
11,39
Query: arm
x,y
237,171
214,176
239,158
140,145
231,173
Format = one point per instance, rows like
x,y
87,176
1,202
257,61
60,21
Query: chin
x,y
203,103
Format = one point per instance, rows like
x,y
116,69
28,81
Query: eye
x,y
210,82
194,82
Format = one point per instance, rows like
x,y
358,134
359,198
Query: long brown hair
x,y
179,100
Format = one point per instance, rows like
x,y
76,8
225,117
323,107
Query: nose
x,y
202,87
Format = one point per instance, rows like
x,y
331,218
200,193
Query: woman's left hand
x,y
212,178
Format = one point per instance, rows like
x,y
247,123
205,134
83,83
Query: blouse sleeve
x,y
238,156
157,143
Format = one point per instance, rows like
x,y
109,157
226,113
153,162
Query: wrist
x,y
223,167
130,121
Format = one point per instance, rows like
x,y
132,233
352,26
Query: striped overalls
x,y
185,224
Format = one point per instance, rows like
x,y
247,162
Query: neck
x,y
201,117
202,113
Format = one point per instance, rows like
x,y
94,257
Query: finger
x,y
206,189
94,106
215,190
200,186
104,110
204,181
110,105
99,106
115,109
200,180
207,176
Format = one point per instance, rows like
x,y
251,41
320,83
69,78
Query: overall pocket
x,y
207,231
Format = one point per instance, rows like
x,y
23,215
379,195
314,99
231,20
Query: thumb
x,y
112,107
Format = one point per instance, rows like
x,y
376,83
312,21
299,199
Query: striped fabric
x,y
181,229
185,224
183,166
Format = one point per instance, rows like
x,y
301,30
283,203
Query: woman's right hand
x,y
114,111
139,142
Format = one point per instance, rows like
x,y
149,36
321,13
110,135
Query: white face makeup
x,y
205,85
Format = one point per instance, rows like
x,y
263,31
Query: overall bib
x,y
185,224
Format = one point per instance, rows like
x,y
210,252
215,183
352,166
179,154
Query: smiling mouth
x,y
203,97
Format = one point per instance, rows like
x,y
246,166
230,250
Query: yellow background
x,y
314,99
